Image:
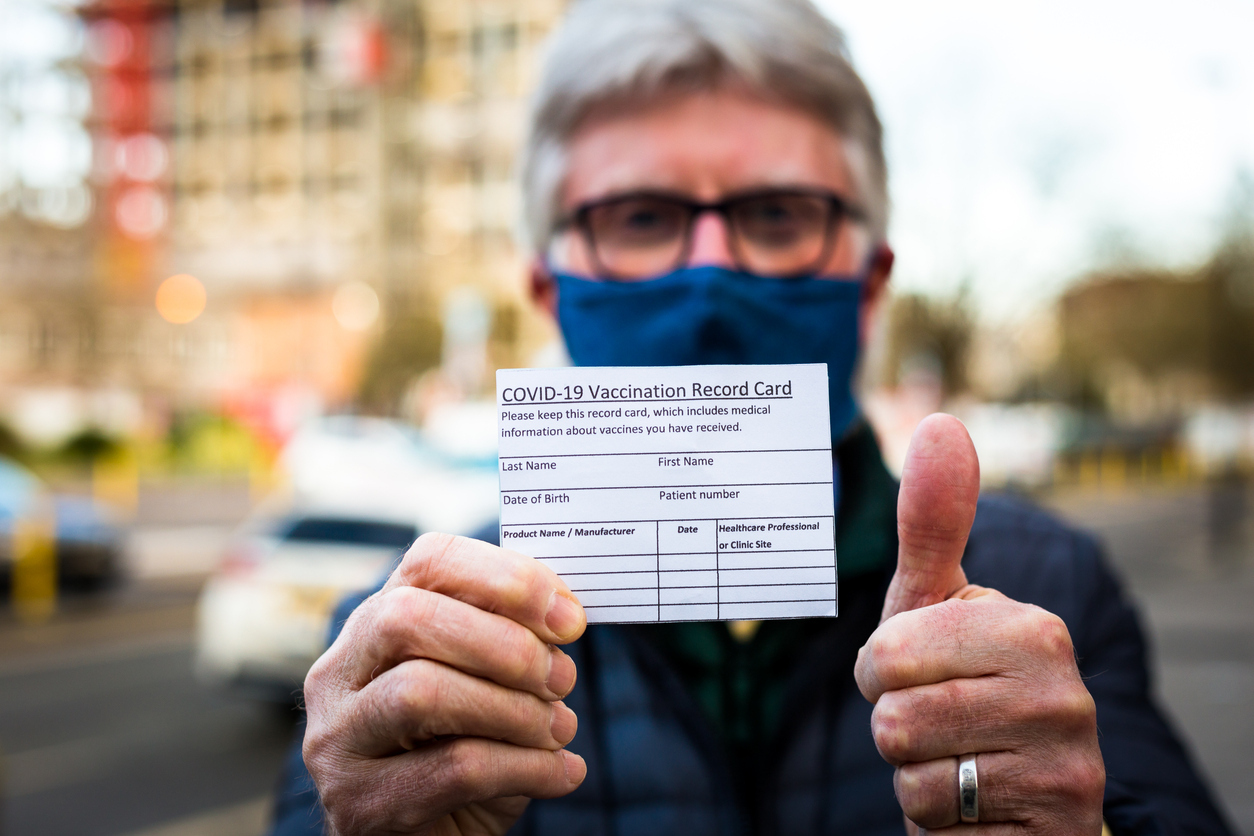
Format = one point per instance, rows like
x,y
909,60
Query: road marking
x,y
247,819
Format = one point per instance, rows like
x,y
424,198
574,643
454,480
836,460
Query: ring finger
x,y
928,791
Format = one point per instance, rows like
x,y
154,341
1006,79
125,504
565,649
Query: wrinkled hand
x,y
956,669
438,709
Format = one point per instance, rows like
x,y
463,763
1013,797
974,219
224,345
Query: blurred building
x,y
1148,345
327,171
46,321
320,144
46,324
317,143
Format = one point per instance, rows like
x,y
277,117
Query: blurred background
x,y
257,269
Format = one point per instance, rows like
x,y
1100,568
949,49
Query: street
x,y
105,732
1187,556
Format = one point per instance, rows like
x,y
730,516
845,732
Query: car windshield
x,y
355,532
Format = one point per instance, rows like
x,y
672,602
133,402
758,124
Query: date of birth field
x,y
691,501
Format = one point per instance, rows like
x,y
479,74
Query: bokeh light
x,y
141,157
141,212
181,298
355,306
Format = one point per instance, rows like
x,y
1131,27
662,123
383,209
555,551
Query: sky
x,y
1033,142
43,144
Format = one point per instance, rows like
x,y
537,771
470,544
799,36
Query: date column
x,y
687,571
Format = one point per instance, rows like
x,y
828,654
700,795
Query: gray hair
x,y
630,51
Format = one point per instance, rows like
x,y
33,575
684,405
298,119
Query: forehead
x,y
705,145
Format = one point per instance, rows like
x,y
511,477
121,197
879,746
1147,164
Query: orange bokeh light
x,y
181,299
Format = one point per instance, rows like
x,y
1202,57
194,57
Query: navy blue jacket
x,y
655,766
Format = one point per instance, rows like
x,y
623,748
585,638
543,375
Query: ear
x,y
875,290
542,287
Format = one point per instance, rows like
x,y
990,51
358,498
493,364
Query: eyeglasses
x,y
780,233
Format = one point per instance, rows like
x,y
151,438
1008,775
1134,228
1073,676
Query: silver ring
x,y
968,790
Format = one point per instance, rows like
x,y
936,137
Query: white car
x,y
263,617
362,489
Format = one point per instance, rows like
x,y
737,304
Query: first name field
x,y
640,485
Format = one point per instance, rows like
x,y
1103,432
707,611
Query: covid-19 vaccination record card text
x,y
673,493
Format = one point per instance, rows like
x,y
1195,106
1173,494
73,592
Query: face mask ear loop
x,y
880,254
863,277
543,281
546,275
863,274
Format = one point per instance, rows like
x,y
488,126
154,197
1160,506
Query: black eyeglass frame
x,y
839,209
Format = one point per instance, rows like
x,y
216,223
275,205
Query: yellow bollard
x,y
261,475
1062,473
1177,462
1167,465
115,482
1114,470
35,564
1089,470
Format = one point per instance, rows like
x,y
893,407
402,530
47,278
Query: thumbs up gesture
x,y
959,672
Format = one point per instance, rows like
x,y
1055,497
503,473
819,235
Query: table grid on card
x,y
696,570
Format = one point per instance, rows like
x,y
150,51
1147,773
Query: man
x,y
705,183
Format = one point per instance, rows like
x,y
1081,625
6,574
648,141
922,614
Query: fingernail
x,y
561,679
576,769
564,723
564,617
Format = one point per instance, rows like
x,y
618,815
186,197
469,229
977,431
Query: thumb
x,y
940,484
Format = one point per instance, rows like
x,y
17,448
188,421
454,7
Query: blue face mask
x,y
712,315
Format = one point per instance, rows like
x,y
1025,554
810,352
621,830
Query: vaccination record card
x,y
673,493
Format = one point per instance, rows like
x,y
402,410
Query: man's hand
x,y
956,669
438,710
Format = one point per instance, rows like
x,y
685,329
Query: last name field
x,y
662,461
660,469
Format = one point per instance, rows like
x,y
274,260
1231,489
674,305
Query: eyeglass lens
x,y
781,234
638,237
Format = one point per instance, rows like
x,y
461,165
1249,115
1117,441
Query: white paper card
x,y
673,493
